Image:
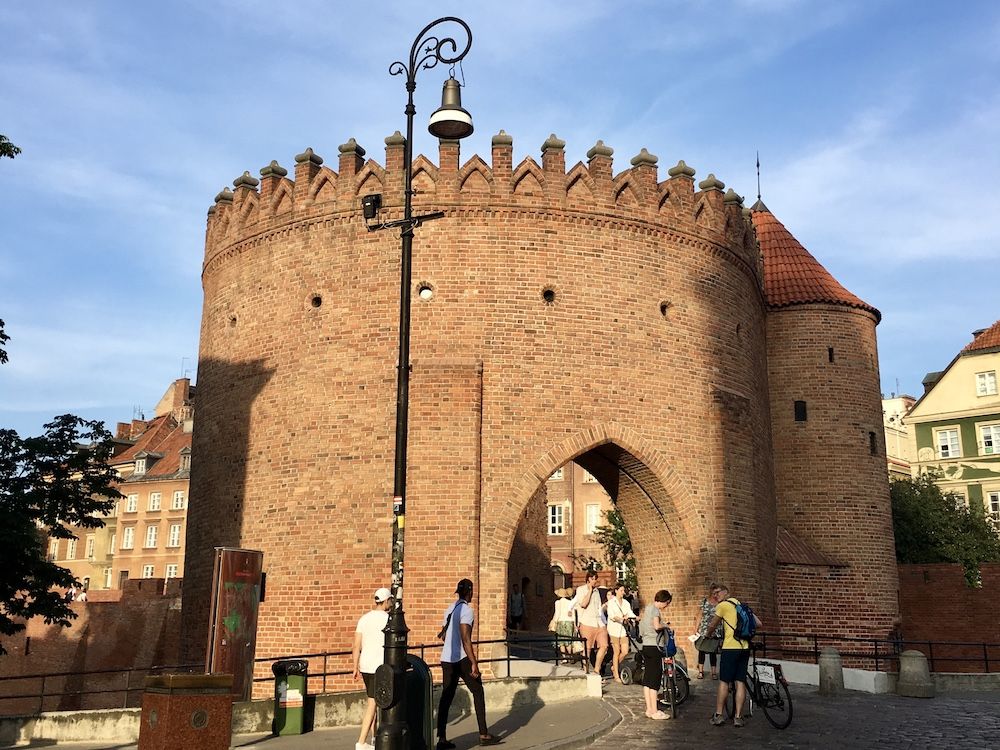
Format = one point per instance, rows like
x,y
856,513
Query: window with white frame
x,y
171,571
89,547
993,505
128,537
112,543
556,525
174,538
107,578
593,518
960,498
155,499
151,531
588,478
140,466
946,443
71,549
178,501
621,570
147,571
557,475
131,503
53,549
185,462
989,439
986,383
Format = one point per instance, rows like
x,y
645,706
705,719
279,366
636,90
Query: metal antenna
x,y
758,175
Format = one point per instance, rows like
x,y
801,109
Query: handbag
x,y
444,631
707,645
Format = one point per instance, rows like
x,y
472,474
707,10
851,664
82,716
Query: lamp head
x,y
370,206
450,121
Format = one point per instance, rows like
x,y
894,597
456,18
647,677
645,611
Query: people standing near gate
x,y
587,606
735,657
562,621
708,642
619,614
651,626
515,607
369,653
458,659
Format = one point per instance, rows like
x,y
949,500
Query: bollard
x,y
831,672
914,676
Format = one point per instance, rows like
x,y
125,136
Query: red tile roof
x,y
163,436
792,276
988,339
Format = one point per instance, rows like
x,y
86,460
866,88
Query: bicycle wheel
x,y
680,686
777,704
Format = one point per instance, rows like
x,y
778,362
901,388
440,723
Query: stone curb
x,y
587,736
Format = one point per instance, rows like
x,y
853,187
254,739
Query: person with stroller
x,y
652,625
620,614
708,643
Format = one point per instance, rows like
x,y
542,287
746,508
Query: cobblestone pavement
x,y
854,720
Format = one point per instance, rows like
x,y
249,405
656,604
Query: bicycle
x,y
768,688
675,685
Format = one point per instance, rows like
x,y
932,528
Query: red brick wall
x,y
650,361
141,630
832,492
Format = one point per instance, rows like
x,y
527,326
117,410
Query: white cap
x,y
382,594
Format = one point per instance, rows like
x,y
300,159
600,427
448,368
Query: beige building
x,y
900,447
576,507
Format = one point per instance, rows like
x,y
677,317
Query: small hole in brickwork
x,y
425,291
829,353
232,321
316,300
665,308
549,295
872,443
800,411
739,330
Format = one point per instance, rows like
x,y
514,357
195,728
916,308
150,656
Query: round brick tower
x,y
836,556
557,314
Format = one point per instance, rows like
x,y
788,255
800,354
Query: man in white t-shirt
x,y
458,660
587,607
369,653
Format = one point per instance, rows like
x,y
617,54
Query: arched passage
x,y
666,528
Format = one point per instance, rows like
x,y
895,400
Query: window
x,y
140,466
171,571
556,520
989,439
151,532
947,443
71,549
993,505
111,544
178,501
986,383
185,462
131,503
89,553
147,571
872,443
128,537
107,578
961,501
588,478
174,539
621,570
155,498
557,475
53,549
593,518
800,411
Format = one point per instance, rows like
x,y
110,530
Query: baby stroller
x,y
631,668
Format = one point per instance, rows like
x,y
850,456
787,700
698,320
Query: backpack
x,y
746,621
670,649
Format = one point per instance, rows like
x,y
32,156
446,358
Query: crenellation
x,y
502,147
271,177
352,158
599,163
645,172
446,186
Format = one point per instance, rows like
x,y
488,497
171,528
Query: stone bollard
x,y
831,672
914,676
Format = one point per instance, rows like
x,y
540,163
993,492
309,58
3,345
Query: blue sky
x,y
877,125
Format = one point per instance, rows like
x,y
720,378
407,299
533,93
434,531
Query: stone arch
x,y
283,200
475,176
580,185
660,512
325,189
528,178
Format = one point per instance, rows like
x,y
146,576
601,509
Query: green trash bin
x,y
419,709
290,677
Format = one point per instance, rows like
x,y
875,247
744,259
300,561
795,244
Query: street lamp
x,y
449,121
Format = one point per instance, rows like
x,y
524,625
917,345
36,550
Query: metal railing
x,y
131,682
884,653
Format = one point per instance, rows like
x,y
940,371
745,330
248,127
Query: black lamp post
x,y
452,122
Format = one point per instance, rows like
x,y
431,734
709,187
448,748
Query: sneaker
x,y
738,721
658,716
443,744
717,720
363,746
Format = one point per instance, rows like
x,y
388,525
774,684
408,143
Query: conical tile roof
x,y
792,276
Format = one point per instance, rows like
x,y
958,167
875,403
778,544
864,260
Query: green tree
x,y
7,148
58,479
931,527
614,538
